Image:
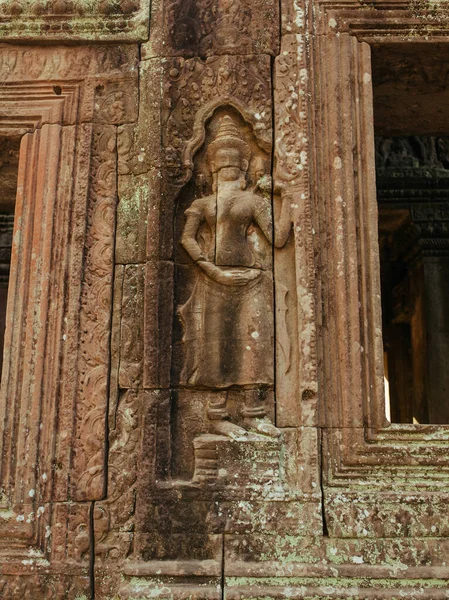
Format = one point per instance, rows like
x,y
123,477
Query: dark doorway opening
x,y
411,104
9,164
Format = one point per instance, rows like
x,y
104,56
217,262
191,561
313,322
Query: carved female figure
x,y
228,319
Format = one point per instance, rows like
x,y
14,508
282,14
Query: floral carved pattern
x,y
194,88
291,183
95,318
22,62
114,519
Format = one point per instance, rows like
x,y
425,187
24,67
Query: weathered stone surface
x,y
39,586
132,216
330,588
294,262
81,20
157,325
192,400
113,518
46,63
204,28
132,328
394,514
295,15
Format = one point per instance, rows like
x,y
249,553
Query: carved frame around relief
x,y
47,403
358,438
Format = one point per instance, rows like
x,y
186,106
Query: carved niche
x,y
224,352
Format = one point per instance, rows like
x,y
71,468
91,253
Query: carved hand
x,y
237,276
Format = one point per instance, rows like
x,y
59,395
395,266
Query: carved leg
x,y
219,418
255,415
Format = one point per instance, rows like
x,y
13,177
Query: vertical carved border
x,y
89,443
55,395
297,384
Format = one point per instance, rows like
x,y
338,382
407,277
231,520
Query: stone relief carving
x,y
228,319
95,316
23,62
431,152
194,87
207,27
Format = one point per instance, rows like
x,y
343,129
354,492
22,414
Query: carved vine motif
x,y
96,314
18,586
114,518
193,87
290,114
113,102
291,183
24,63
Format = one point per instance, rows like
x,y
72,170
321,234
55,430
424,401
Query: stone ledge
x,y
63,20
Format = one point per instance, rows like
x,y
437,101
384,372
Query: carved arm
x,y
188,238
282,225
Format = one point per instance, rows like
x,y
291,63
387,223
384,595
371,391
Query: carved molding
x,y
62,20
95,319
394,18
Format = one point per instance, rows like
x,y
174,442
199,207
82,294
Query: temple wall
x,y
192,396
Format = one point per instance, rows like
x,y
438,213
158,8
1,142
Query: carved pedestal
x,y
253,461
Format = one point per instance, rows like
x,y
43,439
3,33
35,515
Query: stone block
x,y
42,585
187,546
277,555
252,462
301,460
290,518
155,453
351,514
144,582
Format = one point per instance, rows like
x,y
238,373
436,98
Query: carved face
x,y
228,157
229,174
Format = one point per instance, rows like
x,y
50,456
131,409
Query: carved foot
x,y
261,425
227,428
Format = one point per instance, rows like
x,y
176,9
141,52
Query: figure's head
x,y
229,154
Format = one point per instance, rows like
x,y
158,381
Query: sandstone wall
x,y
192,391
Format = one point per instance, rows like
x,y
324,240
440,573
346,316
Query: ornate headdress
x,y
228,136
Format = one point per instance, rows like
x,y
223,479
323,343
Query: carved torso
x,y
229,217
